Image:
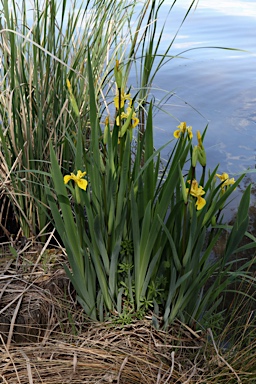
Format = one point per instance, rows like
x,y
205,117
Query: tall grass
x,y
38,54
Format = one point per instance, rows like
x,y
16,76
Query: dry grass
x,y
134,353
45,338
131,354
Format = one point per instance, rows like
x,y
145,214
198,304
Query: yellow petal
x,y
182,126
222,177
229,181
200,203
128,110
134,118
80,174
176,134
127,96
196,190
116,102
125,115
67,178
199,139
124,96
200,191
190,134
82,183
135,122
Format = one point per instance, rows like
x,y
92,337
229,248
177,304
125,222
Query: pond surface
x,y
213,85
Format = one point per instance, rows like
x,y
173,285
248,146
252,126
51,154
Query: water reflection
x,y
230,7
226,7
215,86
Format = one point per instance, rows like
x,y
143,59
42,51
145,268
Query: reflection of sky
x,y
214,17
231,7
213,85
227,7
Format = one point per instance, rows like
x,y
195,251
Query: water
x,y
214,86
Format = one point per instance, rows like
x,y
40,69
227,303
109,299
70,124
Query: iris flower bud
x,y
118,75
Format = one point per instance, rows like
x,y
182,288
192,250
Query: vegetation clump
x,y
137,233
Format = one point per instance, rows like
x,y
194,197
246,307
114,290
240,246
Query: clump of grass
x,y
40,49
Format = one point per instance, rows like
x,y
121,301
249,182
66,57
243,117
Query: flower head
x,y
224,177
124,115
197,191
226,181
183,129
123,98
78,179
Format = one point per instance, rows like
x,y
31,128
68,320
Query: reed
x,y
39,50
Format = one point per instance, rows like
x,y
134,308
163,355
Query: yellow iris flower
x,y
197,191
183,129
124,96
124,115
78,179
226,181
224,177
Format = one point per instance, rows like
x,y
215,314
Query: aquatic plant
x,y
138,237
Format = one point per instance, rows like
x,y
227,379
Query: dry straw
x,y
135,353
45,338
